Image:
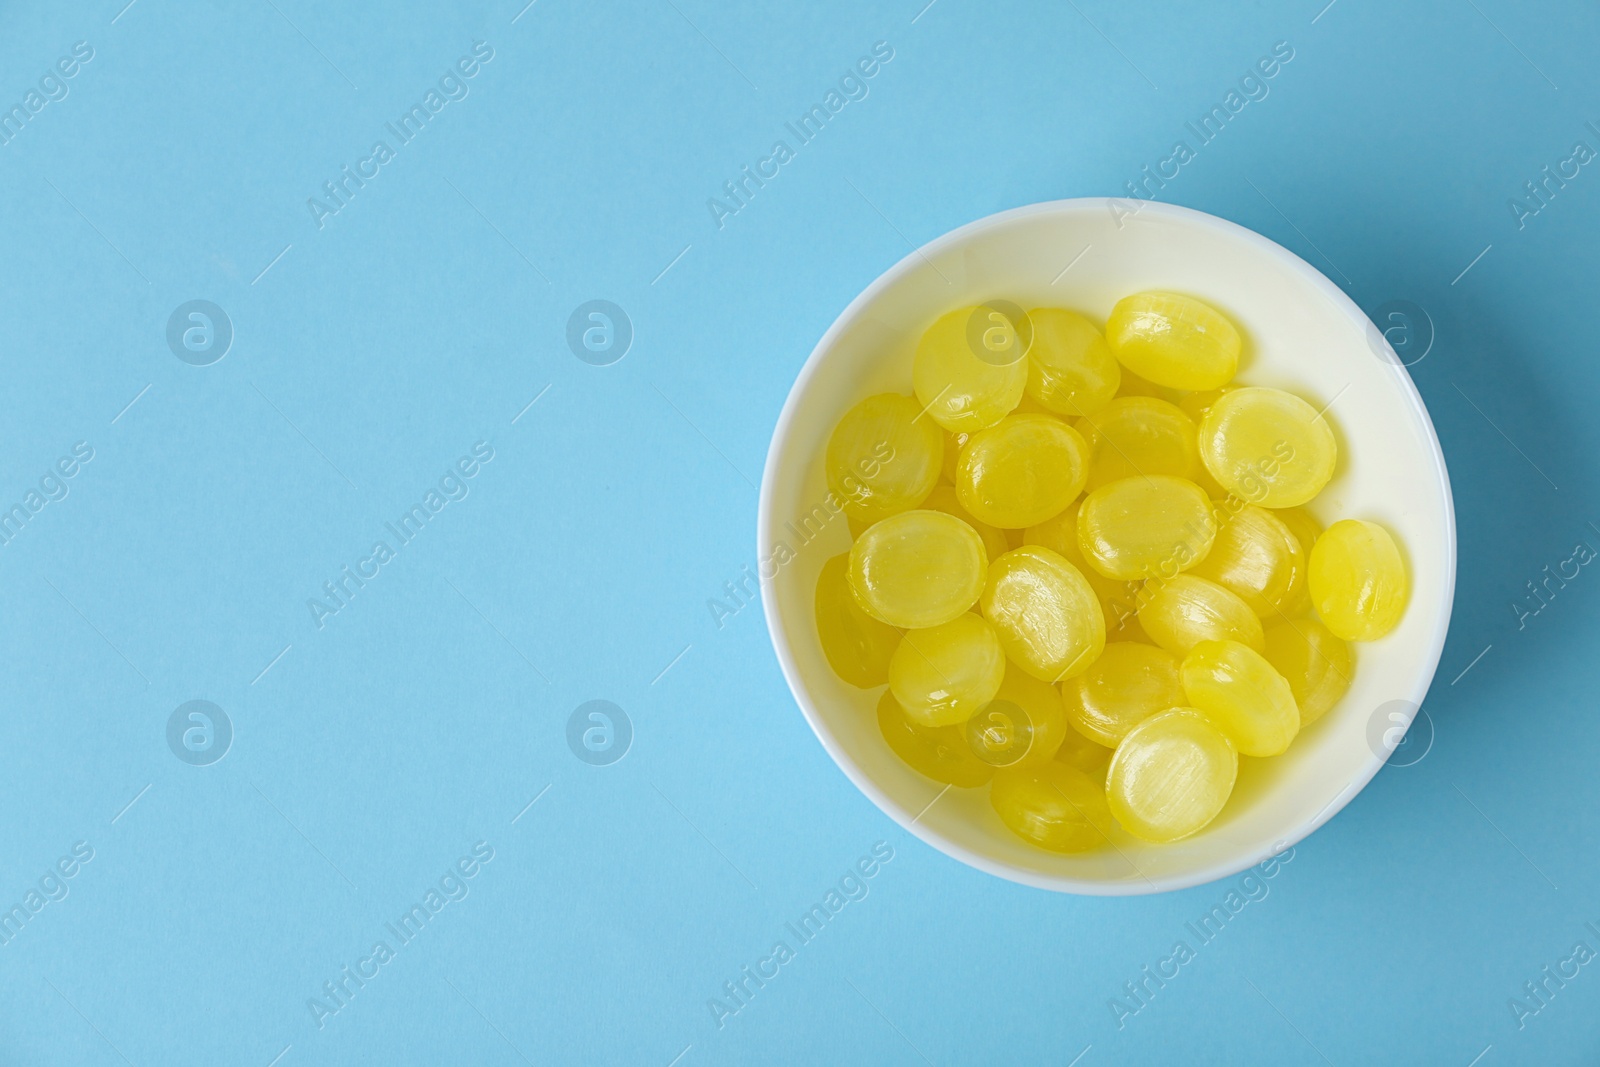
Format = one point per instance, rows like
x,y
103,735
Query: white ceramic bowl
x,y
1300,333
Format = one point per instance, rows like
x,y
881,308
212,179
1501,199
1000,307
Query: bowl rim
x,y
780,639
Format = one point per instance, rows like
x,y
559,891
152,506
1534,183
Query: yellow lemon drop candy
x,y
1239,691
1055,806
1133,385
1306,530
1171,775
943,674
1358,580
1257,557
1130,630
858,646
969,369
1046,614
1029,406
1080,752
1141,527
1315,663
1178,613
1058,533
918,569
1070,369
1195,405
944,498
952,451
1022,471
937,752
882,458
1173,340
1128,683
1303,525
1118,599
1139,435
1023,725
1268,447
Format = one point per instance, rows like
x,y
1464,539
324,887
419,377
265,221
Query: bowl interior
x,y
1300,333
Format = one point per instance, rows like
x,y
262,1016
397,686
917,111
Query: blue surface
x,y
373,753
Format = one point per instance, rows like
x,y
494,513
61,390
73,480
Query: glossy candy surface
x,y
1268,447
1029,406
952,452
1257,557
944,674
882,458
1049,621
1303,525
1145,526
1171,775
1022,471
969,369
918,569
1316,664
1133,385
1055,806
937,752
858,646
1023,725
1180,612
1130,682
1071,371
1239,691
1173,340
1196,405
1140,435
1306,530
1358,580
1118,599
1080,752
944,498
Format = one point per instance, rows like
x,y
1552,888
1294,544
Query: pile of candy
x,y
1083,567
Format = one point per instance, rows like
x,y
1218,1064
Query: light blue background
x,y
429,712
